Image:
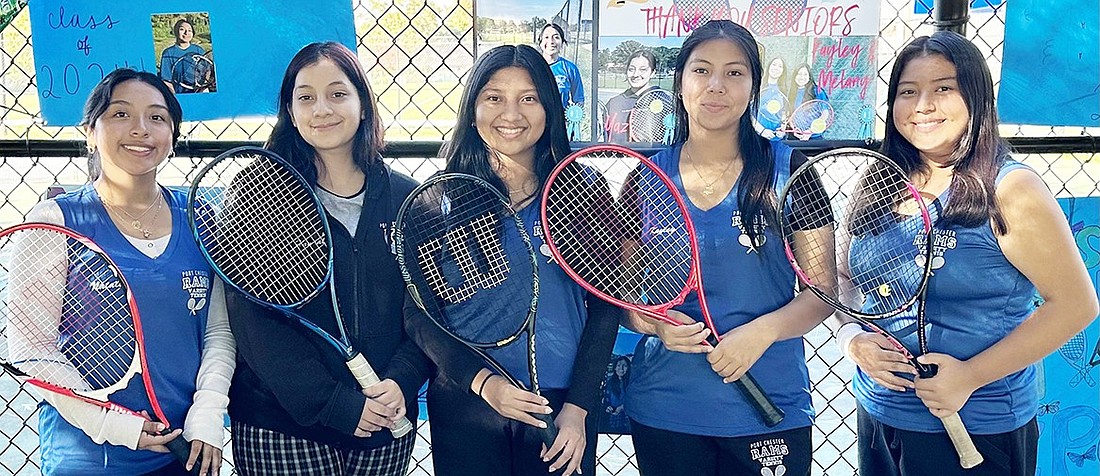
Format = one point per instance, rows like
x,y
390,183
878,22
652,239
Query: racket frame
x,y
969,456
361,369
655,94
179,447
771,414
548,434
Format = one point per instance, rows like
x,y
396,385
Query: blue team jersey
x,y
559,320
172,293
568,78
742,281
975,298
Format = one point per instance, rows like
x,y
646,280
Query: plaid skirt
x,y
260,452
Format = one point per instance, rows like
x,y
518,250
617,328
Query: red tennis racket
x,y
73,326
618,227
882,240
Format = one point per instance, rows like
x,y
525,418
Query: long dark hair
x,y
100,99
810,89
756,194
467,153
981,150
285,139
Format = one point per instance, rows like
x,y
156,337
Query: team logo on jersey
x,y
750,244
942,241
544,249
197,285
770,453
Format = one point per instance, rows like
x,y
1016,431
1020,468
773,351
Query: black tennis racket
x,y
266,234
194,73
883,243
72,323
470,266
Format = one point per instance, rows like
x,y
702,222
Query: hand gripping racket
x,y
470,267
617,225
73,326
264,231
883,243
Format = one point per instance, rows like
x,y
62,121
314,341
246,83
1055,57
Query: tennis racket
x,y
647,121
617,225
193,73
883,243
694,13
773,17
810,118
773,109
262,228
470,266
73,326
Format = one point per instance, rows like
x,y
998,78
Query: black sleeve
x,y
809,206
453,360
593,353
289,365
409,367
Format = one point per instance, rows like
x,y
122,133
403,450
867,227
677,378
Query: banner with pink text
x,y
819,60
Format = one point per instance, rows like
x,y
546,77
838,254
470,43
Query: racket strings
x,y
464,241
265,231
879,231
647,121
590,215
67,311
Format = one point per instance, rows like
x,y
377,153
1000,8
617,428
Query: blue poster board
x,y
1069,398
77,42
1051,69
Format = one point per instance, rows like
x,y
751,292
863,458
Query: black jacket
x,y
288,379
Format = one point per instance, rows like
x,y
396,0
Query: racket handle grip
x,y
181,449
969,456
550,433
366,377
770,413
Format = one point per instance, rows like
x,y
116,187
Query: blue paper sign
x,y
224,59
1051,69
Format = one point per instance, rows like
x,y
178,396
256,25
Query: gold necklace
x,y
135,222
708,188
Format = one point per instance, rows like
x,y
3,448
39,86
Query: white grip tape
x,y
969,456
366,377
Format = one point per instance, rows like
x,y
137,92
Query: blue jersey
x,y
559,319
742,281
568,78
975,298
172,293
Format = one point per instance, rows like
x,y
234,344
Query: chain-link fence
x,y
418,54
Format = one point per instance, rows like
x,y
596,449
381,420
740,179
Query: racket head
x,y
812,117
773,107
773,17
71,321
205,74
467,260
261,227
647,120
695,13
617,226
881,231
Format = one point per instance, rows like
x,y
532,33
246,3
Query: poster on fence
x,y
223,59
1069,396
562,32
819,60
1051,69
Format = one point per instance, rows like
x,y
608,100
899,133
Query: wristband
x,y
482,387
845,334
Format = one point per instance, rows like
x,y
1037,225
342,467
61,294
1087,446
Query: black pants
x,y
470,438
888,451
668,453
